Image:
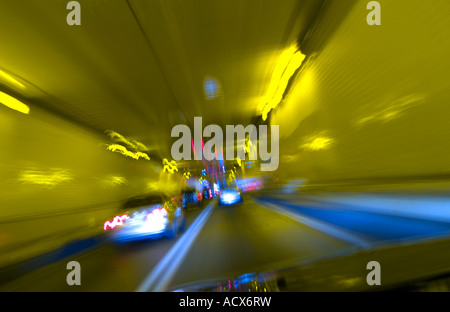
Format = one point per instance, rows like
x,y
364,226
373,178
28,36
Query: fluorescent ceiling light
x,y
13,103
290,60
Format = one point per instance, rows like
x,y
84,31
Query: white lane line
x,y
162,274
327,228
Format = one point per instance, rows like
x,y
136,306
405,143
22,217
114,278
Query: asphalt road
x,y
259,235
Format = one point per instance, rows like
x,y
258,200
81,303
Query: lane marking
x,y
327,228
162,274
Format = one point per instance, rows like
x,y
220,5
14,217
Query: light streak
x,y
123,150
117,221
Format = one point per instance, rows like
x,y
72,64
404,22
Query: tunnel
x,y
224,145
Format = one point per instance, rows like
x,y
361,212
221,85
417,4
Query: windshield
x,y
224,145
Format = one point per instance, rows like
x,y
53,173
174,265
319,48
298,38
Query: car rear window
x,y
144,201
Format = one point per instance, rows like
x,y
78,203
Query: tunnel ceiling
x,y
140,67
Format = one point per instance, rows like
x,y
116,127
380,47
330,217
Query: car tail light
x,y
157,212
117,221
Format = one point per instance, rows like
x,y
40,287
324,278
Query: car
x,y
149,216
191,198
230,196
207,193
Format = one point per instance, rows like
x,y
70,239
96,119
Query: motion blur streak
x,y
363,115
112,181
290,61
161,275
9,79
129,142
123,150
50,178
393,111
318,143
380,91
13,103
170,166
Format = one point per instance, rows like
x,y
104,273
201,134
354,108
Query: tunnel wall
x,y
371,101
59,182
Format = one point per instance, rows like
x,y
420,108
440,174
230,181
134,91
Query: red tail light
x,y
117,221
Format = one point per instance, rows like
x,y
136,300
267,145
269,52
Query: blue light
x,y
216,188
211,88
230,198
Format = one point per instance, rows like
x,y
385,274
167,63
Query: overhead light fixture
x,y
13,103
211,87
123,150
133,144
289,62
318,143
